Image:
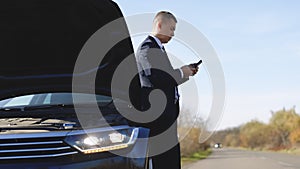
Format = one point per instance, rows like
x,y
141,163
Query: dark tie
x,y
176,89
176,94
163,48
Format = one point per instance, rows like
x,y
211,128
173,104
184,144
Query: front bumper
x,y
104,160
116,162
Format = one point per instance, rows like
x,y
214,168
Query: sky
x,y
257,43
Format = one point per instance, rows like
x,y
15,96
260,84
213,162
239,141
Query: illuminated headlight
x,y
103,141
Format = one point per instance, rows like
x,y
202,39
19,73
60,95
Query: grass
x,y
295,151
196,156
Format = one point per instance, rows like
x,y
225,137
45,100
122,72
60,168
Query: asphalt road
x,y
240,159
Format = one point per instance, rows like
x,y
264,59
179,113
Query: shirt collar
x,y
157,41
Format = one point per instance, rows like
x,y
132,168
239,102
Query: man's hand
x,y
189,71
195,70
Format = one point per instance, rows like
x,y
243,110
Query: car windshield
x,y
54,99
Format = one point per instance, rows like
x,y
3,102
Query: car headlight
x,y
103,141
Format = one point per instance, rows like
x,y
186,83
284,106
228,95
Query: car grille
x,y
28,148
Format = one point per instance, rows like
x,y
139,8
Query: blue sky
x,y
258,44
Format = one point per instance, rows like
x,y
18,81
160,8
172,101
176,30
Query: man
x,y
156,72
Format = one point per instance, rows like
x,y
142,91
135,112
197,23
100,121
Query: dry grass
x,y
189,141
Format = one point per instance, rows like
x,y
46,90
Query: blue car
x,y
47,121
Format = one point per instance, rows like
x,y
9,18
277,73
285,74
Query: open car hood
x,y
41,40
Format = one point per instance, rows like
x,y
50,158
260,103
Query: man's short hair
x,y
165,14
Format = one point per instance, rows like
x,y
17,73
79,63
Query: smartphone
x,y
198,63
195,65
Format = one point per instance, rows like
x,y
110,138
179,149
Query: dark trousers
x,y
171,158
168,160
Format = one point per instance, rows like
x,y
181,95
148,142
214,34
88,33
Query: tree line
x,y
281,132
190,128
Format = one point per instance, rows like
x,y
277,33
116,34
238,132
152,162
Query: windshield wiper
x,y
24,108
48,106
12,109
